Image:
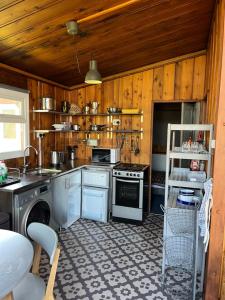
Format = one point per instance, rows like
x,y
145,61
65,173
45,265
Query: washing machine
x,y
33,205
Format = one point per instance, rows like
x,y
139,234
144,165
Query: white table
x,y
16,256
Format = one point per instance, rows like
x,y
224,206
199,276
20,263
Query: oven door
x,y
128,192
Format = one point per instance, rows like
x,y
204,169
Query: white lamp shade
x,y
93,76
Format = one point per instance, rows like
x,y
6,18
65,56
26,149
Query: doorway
x,y
164,113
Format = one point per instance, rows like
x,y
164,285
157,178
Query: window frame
x,y
21,96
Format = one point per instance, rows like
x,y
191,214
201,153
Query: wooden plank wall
x,y
214,58
178,81
215,113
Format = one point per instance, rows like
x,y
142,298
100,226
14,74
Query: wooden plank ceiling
x,y
33,34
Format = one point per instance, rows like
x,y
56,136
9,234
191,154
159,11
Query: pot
x,y
95,127
57,157
114,110
86,109
94,105
47,103
75,127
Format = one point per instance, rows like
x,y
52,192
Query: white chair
x,y
32,286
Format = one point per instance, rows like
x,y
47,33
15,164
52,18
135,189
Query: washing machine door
x,y
39,212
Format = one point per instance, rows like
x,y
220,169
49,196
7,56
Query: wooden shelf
x,y
85,115
88,131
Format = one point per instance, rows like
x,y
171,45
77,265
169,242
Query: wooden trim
x,y
107,11
30,75
145,68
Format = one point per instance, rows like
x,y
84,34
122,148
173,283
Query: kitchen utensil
x,y
95,127
113,110
65,106
86,109
47,103
74,109
71,152
57,157
94,105
75,127
137,149
58,126
67,125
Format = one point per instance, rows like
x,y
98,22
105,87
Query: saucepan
x,y
57,157
75,127
95,127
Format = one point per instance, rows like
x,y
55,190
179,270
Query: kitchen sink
x,y
44,172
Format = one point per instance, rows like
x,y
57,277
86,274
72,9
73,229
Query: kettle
x,y
57,157
71,152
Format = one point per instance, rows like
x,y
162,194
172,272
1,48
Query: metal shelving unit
x,y
180,215
108,115
85,115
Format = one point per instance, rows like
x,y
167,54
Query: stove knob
x,y
135,175
118,173
115,173
138,175
131,174
127,174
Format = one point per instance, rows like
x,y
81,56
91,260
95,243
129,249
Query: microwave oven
x,y
106,155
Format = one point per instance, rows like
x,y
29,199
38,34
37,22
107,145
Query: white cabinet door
x,y
95,203
67,198
95,177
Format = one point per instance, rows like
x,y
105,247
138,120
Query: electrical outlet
x,y
116,122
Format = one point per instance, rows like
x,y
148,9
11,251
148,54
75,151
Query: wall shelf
x,y
85,115
87,131
191,155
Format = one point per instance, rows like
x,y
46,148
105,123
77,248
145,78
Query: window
x,y
14,122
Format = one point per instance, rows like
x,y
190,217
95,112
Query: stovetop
x,y
130,167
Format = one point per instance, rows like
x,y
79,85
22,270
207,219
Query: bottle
x,y
201,165
3,172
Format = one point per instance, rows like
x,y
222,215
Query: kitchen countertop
x,y
29,181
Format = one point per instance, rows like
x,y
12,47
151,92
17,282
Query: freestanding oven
x,y
128,191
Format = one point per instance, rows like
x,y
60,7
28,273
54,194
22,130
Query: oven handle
x,y
128,181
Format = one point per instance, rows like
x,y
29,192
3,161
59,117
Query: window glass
x,y
10,107
14,123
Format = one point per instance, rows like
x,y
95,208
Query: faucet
x,y
25,165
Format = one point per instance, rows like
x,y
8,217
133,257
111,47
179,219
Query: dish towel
x,y
204,213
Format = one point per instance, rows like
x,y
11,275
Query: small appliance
x,y
106,155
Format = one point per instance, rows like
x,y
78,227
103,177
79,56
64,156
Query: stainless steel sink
x,y
44,172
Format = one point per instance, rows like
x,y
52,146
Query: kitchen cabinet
x,y
67,198
95,194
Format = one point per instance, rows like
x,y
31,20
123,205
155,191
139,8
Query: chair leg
x,y
36,260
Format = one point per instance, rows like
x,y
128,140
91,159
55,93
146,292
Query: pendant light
x,y
93,76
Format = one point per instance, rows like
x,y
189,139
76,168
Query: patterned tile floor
x,y
110,261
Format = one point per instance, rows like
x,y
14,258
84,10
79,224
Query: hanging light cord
x,y
76,57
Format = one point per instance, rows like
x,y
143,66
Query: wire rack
x,y
179,252
181,221
178,283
